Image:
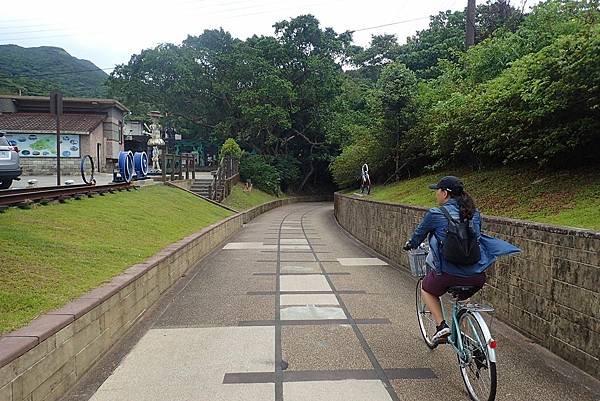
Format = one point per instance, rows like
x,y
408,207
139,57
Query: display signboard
x,y
44,145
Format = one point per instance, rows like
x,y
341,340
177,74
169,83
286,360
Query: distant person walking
x,y
365,179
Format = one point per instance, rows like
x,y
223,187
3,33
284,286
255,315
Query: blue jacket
x,y
434,225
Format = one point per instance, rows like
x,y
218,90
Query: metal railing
x,y
224,178
176,165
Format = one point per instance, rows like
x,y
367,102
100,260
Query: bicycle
x,y
470,337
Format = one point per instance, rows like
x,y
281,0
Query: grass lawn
x,y
52,254
240,200
567,198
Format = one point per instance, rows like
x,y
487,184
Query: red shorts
x,y
438,285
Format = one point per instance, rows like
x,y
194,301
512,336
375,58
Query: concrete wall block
x,y
576,255
6,392
498,299
576,298
579,274
538,252
127,304
113,319
108,304
575,356
134,313
163,279
576,317
577,336
9,371
588,244
532,325
140,292
124,293
88,355
86,335
45,368
520,283
64,335
27,360
61,388
152,296
533,303
53,387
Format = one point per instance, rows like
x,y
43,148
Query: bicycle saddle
x,y
462,291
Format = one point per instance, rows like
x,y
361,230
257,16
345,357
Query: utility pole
x,y
470,39
56,108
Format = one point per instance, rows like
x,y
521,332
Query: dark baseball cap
x,y
449,183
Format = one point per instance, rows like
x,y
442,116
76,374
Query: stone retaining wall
x,y
47,166
42,361
549,292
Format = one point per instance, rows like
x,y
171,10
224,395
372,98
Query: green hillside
x,y
240,200
42,266
565,198
39,70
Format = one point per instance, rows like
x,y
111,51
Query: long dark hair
x,y
466,204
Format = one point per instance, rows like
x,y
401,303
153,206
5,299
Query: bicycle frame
x,y
456,341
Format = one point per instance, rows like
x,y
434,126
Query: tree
x,y
396,89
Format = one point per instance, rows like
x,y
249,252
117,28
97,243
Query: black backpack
x,y
461,246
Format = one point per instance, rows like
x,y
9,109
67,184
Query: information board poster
x,y
44,145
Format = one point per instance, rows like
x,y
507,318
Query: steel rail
x,y
34,189
58,193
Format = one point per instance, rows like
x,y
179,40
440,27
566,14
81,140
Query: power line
x,y
390,24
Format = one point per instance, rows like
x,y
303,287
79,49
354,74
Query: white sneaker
x,y
442,332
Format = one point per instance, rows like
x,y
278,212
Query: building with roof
x,y
88,127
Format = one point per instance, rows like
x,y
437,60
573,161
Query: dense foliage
x,y
306,102
528,93
40,70
257,169
231,148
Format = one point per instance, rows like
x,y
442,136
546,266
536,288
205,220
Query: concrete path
x,y
292,309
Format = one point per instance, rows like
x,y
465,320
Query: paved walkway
x,y
292,309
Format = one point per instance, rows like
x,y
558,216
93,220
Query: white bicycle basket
x,y
416,260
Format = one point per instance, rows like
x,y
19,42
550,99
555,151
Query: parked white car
x,y
10,167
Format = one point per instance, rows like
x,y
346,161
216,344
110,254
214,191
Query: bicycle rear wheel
x,y
476,367
426,321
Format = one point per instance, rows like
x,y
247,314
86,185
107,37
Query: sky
x,y
108,32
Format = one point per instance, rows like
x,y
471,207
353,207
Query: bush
x,y
289,171
263,175
231,148
346,168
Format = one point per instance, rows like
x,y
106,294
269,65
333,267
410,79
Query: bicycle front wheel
x,y
426,321
476,367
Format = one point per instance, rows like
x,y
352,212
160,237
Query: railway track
x,y
27,196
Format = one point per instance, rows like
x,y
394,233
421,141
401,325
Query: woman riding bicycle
x,y
451,195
